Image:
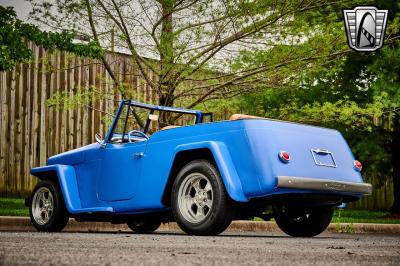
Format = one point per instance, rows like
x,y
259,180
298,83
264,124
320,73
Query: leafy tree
x,y
206,49
13,49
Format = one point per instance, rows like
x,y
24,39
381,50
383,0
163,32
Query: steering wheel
x,y
137,133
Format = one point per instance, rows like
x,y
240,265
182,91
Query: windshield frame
x,y
198,114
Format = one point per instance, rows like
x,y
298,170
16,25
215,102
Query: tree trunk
x,y
396,164
165,99
166,50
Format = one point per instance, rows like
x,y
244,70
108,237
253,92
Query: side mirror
x,y
99,140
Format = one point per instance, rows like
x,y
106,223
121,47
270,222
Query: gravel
x,y
33,248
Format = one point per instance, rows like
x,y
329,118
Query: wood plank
x,y
11,131
38,109
56,119
70,89
97,102
85,112
4,123
77,109
102,105
25,128
92,71
27,118
42,113
33,112
50,129
6,135
109,100
78,130
18,122
62,113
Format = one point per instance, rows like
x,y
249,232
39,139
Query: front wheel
x,y
303,222
47,208
144,227
200,203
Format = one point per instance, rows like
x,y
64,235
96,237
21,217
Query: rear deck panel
x,y
268,137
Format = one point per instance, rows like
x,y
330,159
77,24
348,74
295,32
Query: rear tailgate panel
x,y
315,153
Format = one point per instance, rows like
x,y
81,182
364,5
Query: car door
x,y
120,171
122,155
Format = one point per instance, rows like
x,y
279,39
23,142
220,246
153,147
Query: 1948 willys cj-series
x,y
203,176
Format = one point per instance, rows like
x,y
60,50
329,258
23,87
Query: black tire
x,y
218,216
303,222
58,218
144,227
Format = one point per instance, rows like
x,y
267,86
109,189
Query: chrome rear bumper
x,y
323,185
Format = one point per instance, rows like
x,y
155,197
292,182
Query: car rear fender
x,y
224,163
66,178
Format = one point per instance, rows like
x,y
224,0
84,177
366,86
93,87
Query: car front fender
x,y
225,166
66,178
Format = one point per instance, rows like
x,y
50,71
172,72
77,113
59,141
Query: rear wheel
x,y
200,203
47,208
144,227
303,222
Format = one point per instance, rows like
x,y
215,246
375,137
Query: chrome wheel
x,y
195,198
199,201
42,206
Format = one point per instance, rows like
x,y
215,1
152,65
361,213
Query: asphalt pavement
x,y
34,248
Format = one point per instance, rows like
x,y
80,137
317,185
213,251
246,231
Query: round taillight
x,y
357,165
284,156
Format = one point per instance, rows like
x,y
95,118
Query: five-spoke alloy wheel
x,y
47,208
42,205
195,198
200,203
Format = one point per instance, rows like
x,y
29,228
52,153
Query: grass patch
x,y
362,216
358,216
13,207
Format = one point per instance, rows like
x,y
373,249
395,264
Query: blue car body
x,y
134,178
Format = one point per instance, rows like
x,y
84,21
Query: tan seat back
x,y
169,127
242,116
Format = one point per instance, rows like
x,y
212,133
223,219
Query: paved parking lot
x,y
179,249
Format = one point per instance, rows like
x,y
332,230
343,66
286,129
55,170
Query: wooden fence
x,y
382,195
31,130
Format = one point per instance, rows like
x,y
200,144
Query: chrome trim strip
x,y
323,184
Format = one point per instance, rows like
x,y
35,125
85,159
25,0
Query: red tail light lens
x,y
357,165
284,156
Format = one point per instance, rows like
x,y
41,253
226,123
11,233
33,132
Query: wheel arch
x,y
64,176
215,152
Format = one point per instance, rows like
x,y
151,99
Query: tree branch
x,y
121,25
96,38
262,69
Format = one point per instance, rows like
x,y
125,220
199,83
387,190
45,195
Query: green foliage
x,y
81,97
13,49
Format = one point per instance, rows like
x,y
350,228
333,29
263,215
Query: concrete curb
x,y
23,224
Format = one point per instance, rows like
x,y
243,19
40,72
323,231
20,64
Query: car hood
x,y
72,157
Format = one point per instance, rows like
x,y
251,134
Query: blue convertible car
x,y
160,164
